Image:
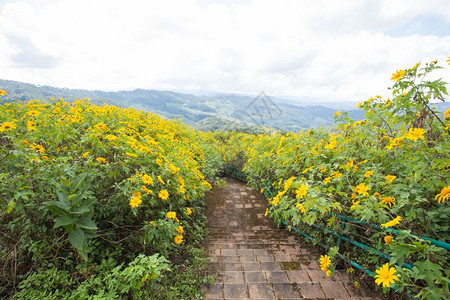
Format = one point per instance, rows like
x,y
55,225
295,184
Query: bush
x,y
83,183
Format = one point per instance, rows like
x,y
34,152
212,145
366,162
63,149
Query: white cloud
x,y
328,49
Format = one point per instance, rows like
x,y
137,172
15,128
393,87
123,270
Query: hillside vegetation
x,y
99,201
383,182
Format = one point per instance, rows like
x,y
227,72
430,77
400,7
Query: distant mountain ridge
x,y
197,111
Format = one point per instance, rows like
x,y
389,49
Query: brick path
x,y
252,259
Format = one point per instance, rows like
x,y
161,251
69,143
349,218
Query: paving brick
x,y
251,266
226,259
214,291
247,258
334,290
255,276
310,290
235,290
283,258
244,252
231,267
277,276
270,266
251,258
261,252
264,258
228,252
286,290
233,277
261,291
298,276
318,275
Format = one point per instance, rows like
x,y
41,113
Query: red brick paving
x,y
252,259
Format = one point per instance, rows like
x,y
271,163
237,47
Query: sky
x,y
323,49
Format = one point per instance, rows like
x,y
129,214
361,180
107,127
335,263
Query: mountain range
x,y
208,112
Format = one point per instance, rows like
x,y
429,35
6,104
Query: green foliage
x,y
74,212
82,183
135,280
385,176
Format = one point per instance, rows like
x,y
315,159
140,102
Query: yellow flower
x,y
163,194
145,189
147,179
307,169
266,213
390,178
349,164
178,239
180,229
262,190
136,199
7,126
301,207
275,200
443,195
33,113
376,194
388,200
415,133
101,160
301,191
130,154
160,179
188,211
37,148
447,114
325,262
385,275
336,114
182,189
171,215
85,154
288,183
368,174
388,239
31,126
398,75
392,223
354,204
448,61
362,189
327,180
3,93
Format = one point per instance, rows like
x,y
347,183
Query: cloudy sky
x,y
328,49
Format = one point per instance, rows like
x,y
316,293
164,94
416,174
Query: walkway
x,y
252,259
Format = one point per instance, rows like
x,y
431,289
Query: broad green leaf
x,y
86,223
76,238
63,221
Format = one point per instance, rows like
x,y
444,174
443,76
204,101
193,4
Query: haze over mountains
x,y
211,112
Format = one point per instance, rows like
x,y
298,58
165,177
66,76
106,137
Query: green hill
x,y
192,109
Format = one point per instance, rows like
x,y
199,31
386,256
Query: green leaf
x,y
77,181
63,221
86,223
63,205
76,238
